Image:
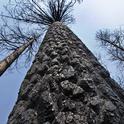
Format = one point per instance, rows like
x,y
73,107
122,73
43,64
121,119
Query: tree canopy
x,y
25,19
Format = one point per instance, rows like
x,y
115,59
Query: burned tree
x,y
65,84
113,43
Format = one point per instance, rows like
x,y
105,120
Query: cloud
x,y
102,12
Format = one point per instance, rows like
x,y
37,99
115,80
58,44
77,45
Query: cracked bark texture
x,y
67,85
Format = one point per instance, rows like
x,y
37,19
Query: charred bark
x,y
67,85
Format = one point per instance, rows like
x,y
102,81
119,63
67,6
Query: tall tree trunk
x,y
67,85
6,63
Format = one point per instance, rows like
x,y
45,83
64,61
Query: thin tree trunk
x,y
5,63
67,85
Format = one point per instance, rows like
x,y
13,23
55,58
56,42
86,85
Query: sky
x,y
91,16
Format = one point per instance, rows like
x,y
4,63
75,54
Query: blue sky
x,y
91,16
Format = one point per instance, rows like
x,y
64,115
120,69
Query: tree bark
x,y
6,63
67,85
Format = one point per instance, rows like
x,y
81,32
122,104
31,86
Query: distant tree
x,y
34,17
7,61
113,42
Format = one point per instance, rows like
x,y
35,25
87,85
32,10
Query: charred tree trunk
x,y
6,63
67,85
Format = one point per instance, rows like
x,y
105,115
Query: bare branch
x,y
31,11
114,43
